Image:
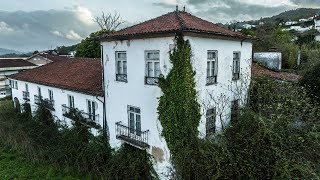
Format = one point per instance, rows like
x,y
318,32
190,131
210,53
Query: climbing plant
x,y
179,110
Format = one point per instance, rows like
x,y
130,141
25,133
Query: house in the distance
x,y
317,23
134,57
45,58
9,66
62,87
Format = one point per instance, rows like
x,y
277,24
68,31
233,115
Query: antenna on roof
x,y
184,8
177,8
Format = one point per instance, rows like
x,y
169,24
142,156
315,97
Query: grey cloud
x,y
42,29
164,5
225,11
306,2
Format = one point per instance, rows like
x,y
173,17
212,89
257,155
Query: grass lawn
x,y
15,166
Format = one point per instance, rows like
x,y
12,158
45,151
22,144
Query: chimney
x,y
177,8
184,8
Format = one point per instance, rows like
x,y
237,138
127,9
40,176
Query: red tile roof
x,y
82,75
173,22
260,71
5,63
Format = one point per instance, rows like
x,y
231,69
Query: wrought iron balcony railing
x,y
132,136
151,80
89,119
211,80
49,104
121,77
5,87
26,95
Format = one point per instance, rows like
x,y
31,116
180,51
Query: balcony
x,y
211,80
88,119
49,104
26,95
132,136
121,77
151,81
5,87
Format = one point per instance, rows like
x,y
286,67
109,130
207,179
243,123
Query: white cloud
x,y
172,2
84,15
4,27
73,35
57,33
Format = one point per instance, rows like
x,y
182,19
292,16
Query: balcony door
x,y
134,120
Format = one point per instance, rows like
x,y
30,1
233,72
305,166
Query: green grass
x,y
14,166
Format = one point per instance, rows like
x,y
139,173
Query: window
x,y
134,120
212,67
39,91
16,84
152,67
10,83
91,109
121,66
50,92
71,101
27,87
236,66
234,110
210,122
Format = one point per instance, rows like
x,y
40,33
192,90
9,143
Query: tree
x,y
311,80
109,22
90,47
179,110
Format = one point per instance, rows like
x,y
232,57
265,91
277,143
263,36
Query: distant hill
x,y
293,15
8,51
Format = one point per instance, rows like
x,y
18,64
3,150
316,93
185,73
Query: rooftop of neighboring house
x,y
78,74
317,18
50,57
10,62
171,23
260,71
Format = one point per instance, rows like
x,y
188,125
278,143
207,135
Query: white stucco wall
x,y
60,96
317,24
135,93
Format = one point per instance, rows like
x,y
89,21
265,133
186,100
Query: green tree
x,y
179,110
90,46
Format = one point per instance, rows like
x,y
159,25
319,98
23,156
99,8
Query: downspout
x,y
105,125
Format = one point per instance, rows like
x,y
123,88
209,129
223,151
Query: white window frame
x,y
236,65
211,122
121,66
134,120
39,91
212,67
155,70
91,109
50,93
70,101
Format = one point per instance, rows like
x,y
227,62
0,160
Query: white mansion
x,y
132,60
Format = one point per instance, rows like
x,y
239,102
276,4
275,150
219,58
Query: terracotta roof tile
x,y
5,63
264,72
83,75
174,22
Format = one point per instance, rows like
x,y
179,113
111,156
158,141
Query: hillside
x,y
8,51
293,15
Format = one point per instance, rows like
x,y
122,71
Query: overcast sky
x,y
29,25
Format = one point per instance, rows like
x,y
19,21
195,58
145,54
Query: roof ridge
x,y
181,21
139,23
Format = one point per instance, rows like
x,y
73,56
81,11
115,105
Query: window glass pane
x,y
119,67
124,67
150,69
157,69
212,68
131,119
138,122
122,55
208,69
211,55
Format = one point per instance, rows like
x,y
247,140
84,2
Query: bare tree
x,y
109,22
